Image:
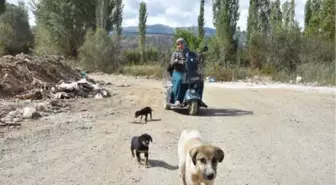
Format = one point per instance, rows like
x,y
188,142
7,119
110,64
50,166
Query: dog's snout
x,y
210,176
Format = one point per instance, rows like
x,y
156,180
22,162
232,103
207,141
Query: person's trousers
x,y
179,89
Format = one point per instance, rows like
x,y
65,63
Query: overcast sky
x,y
180,12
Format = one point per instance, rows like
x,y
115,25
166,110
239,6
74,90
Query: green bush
x,y
43,42
6,35
99,52
191,38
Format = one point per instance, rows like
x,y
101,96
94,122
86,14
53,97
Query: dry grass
x,y
318,72
321,73
230,74
153,70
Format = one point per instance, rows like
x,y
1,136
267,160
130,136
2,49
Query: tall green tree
x,y
104,14
289,22
264,11
328,21
142,30
14,21
2,6
308,14
201,31
225,17
252,19
118,16
65,23
276,15
315,21
292,22
286,17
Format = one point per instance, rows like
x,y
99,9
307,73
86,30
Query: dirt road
x,y
269,137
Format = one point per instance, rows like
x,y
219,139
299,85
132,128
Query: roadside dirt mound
x,y
23,73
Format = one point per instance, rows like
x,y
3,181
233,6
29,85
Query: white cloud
x,y
179,12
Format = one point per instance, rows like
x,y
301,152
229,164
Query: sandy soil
x,y
270,136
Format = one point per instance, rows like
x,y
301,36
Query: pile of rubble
x,y
33,77
46,80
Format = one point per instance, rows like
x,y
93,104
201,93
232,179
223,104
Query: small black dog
x,y
140,145
144,112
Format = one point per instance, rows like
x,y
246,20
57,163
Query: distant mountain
x,y
160,29
164,29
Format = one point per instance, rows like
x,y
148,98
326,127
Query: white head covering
x,y
181,40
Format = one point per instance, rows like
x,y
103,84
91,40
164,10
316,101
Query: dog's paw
x,y
147,165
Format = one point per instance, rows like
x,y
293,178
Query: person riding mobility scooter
x,y
187,79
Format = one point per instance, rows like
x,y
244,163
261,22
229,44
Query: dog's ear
x,y
219,154
193,153
150,138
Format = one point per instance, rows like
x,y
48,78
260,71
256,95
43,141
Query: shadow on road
x,y
143,121
218,112
158,163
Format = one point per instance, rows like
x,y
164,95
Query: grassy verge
x,y
323,74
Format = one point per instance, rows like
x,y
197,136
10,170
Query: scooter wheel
x,y
193,108
165,105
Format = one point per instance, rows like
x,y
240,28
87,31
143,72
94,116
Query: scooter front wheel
x,y
193,108
165,99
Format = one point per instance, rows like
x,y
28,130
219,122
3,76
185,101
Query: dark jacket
x,y
177,61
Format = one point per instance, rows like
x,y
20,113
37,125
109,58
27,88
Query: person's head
x,y
180,43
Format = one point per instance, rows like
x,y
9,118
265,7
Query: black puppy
x,y
140,145
144,112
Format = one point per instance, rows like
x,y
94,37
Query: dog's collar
x,y
143,151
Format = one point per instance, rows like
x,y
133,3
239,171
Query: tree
x,y
65,22
252,20
98,51
104,14
118,16
264,10
328,22
201,31
226,15
308,14
289,22
192,41
15,22
276,15
2,6
142,30
314,27
292,22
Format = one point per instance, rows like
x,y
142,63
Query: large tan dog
x,y
197,159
